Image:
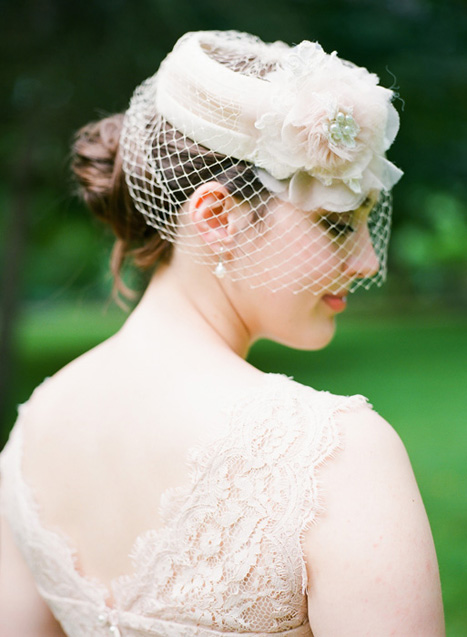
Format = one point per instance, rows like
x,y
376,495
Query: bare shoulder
x,y
371,553
69,398
59,421
369,440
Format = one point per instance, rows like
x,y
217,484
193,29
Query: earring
x,y
220,267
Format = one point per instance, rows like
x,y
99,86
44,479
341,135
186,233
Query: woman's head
x,y
295,140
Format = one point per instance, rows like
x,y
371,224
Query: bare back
x,y
118,436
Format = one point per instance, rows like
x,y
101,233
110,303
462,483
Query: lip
x,y
337,303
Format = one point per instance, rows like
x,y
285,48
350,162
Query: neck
x,y
202,311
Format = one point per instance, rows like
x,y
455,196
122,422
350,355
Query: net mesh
x,y
268,240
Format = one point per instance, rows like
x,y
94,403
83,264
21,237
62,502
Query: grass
x,y
412,368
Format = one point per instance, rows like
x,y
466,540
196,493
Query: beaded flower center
x,y
343,129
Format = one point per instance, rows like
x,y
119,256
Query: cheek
x,y
293,254
313,262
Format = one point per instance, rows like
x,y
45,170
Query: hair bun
x,y
95,164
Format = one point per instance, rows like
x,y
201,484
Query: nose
x,y
361,260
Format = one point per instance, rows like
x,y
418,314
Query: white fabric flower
x,y
329,120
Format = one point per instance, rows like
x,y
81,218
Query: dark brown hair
x,y
97,165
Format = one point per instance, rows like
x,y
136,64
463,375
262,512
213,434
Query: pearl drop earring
x,y
220,267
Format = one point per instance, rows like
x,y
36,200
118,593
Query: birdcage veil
x,y
295,135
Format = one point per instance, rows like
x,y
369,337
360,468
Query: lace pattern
x,y
228,557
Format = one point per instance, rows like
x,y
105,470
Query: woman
x,y
254,176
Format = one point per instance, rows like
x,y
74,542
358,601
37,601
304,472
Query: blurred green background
x,y
404,346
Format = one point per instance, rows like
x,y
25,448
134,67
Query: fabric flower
x,y
328,119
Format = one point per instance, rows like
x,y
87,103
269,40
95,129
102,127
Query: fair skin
x,y
371,563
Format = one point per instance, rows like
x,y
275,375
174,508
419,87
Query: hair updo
x,y
97,166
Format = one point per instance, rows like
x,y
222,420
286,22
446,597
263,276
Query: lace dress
x,y
228,557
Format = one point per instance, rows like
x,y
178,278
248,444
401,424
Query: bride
x,y
161,485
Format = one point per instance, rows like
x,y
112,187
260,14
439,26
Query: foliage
x,y
431,245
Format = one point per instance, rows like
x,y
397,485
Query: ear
x,y
209,208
